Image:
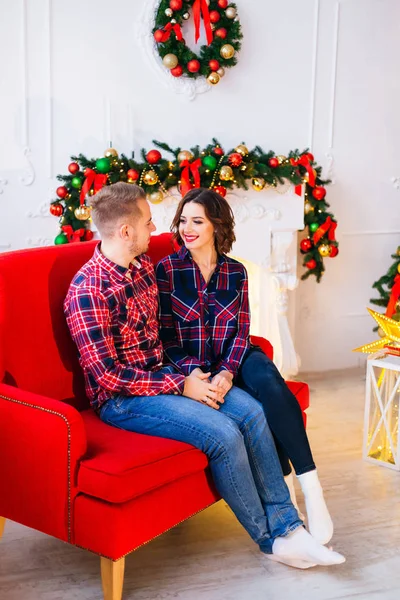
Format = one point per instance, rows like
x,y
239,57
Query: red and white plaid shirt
x,y
111,312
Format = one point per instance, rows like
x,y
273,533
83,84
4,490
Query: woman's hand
x,y
224,380
199,387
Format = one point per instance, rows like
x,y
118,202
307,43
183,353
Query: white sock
x,y
290,483
319,520
299,546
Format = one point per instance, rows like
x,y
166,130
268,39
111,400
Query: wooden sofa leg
x,y
2,523
112,578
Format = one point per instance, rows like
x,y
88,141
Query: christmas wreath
x,y
223,34
210,167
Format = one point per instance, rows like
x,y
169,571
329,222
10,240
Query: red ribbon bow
x,y
168,29
304,161
326,228
98,179
190,168
73,236
200,7
394,296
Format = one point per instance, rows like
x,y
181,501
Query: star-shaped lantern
x,y
391,329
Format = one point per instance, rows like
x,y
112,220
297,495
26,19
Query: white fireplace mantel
x,y
266,242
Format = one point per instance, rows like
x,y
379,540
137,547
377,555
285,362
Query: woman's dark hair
x,y
217,210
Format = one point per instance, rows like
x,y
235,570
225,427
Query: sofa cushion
x,y
120,465
301,391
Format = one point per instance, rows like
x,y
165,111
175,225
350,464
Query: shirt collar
x,y
111,267
184,253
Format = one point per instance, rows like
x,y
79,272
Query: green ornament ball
x,y
61,239
103,165
314,227
76,183
210,162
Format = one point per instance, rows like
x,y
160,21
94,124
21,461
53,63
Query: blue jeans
x,y
240,448
259,377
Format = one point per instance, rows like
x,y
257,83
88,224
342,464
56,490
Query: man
x,y
111,309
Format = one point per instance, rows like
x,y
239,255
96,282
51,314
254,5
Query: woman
x,y
205,324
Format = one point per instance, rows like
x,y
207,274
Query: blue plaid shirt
x,y
202,325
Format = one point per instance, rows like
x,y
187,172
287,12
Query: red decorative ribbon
x,y
304,161
200,7
98,179
73,236
168,29
190,168
394,296
326,228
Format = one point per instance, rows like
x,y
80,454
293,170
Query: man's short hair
x,y
114,204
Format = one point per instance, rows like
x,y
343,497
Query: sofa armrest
x,y
41,443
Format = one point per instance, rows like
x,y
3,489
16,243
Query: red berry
x,y
213,64
214,16
273,163
158,35
175,4
221,33
193,66
221,190
311,264
177,71
223,3
62,191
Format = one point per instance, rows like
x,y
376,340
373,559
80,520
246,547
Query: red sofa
x,y
63,471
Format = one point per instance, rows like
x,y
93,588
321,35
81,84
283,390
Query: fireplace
x,y
266,231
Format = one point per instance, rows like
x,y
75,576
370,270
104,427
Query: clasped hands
x,y
211,391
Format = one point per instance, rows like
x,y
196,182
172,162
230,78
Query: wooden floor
x,y
210,557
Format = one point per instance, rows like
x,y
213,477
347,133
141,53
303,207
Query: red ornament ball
x,y
193,66
235,159
334,251
177,71
311,264
56,209
273,163
133,175
175,4
214,16
221,33
223,3
305,245
73,168
221,190
158,35
213,64
88,235
319,192
62,191
218,151
153,157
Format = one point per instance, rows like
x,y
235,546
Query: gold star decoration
x,y
391,329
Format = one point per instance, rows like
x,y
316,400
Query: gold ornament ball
x,y
156,197
213,78
308,208
258,184
111,153
184,155
150,178
398,251
398,268
281,159
186,16
242,150
170,61
227,51
169,12
221,71
324,250
226,173
82,212
231,12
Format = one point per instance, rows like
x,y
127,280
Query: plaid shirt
x,y
111,312
203,325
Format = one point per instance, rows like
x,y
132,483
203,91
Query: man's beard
x,y
135,249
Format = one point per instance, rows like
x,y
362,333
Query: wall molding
x,y
371,232
314,74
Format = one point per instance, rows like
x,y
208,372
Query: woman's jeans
x,y
259,377
239,446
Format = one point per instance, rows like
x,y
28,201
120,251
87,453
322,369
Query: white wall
x,y
319,73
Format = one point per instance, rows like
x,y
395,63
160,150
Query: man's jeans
x,y
239,446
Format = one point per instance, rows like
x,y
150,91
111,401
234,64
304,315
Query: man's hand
x,y
199,388
223,380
